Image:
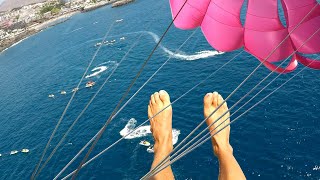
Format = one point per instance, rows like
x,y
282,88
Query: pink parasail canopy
x,y
263,31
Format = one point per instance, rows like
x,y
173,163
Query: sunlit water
x,y
279,139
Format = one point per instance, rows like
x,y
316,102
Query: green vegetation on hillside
x,y
53,8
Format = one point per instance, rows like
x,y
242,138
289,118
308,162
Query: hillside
x,y
10,4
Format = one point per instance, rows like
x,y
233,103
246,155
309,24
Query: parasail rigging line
x,y
201,139
183,95
67,106
125,104
125,95
193,148
238,87
89,102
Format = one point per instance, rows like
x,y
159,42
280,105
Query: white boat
x,y
90,84
98,44
145,143
122,38
13,152
75,89
105,42
51,96
113,41
0,155
131,132
63,92
119,20
150,149
25,150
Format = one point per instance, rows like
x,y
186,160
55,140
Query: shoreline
x,y
34,29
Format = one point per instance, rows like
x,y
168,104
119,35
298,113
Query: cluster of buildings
x,y
21,20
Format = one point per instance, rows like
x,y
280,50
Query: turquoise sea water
x,y
279,139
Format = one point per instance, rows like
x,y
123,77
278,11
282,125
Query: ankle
x,y
221,148
164,144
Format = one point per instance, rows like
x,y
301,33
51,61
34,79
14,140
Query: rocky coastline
x,y
7,43
121,3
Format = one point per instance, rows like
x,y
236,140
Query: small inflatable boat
x,y
144,143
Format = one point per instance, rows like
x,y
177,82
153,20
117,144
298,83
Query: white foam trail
x,y
74,30
143,131
97,71
184,56
113,63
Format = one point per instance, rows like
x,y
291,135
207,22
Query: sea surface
x,y
279,139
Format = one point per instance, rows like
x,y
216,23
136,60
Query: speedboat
x,y
113,41
75,89
144,143
122,38
63,92
0,155
150,149
51,96
90,84
105,42
13,152
25,150
119,20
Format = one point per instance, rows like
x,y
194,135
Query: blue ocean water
x,y
279,139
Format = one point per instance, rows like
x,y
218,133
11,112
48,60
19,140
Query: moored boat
x,y
14,152
25,150
63,92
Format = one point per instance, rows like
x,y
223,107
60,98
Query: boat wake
x,y
97,71
101,68
143,131
182,55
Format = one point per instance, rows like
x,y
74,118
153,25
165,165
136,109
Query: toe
x,y
152,99
164,96
207,100
157,98
149,112
215,99
220,100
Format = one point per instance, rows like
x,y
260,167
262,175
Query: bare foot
x,y
220,141
161,124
